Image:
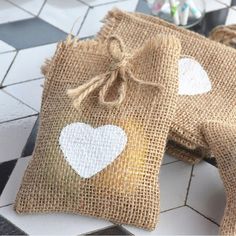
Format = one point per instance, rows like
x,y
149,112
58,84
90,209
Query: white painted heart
x,y
88,150
193,79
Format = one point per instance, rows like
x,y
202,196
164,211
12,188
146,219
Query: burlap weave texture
x,y
221,138
127,190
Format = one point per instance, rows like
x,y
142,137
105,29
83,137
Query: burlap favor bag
x,y
99,151
207,77
221,138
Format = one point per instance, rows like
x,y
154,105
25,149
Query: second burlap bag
x,y
207,77
221,138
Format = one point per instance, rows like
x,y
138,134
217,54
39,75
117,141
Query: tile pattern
x,y
29,92
7,228
6,169
12,109
30,33
63,14
14,135
20,72
192,197
4,47
10,13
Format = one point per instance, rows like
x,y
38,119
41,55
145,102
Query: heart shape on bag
x,y
193,79
89,150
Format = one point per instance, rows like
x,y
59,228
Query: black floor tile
x,y
211,161
233,2
6,169
143,7
112,230
29,147
211,20
7,228
30,33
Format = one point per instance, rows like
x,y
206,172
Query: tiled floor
x,y
192,197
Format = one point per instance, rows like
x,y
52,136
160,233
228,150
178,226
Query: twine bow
x,y
120,67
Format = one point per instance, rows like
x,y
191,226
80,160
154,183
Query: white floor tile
x,y
9,13
181,221
206,193
9,193
174,179
168,159
63,14
12,109
53,224
28,92
4,47
28,62
98,2
226,2
5,62
32,6
93,23
231,18
213,5
14,136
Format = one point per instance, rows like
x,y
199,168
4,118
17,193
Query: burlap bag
x,y
221,138
99,151
225,34
207,77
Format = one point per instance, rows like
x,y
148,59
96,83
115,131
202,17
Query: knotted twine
x,y
120,68
127,189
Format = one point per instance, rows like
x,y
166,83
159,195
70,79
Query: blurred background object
x,y
224,34
186,13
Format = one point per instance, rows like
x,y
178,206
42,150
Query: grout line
x,y
4,77
52,25
21,82
170,163
40,10
6,205
13,50
10,222
203,215
82,23
101,4
222,3
81,1
174,208
19,7
115,1
189,184
16,98
44,44
41,45
19,118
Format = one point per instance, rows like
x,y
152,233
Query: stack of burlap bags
x,y
218,61
110,106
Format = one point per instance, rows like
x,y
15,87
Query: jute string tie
x,y
120,67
